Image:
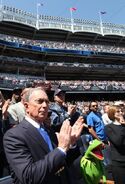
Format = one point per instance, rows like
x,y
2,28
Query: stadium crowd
x,y
10,81
43,142
24,106
64,45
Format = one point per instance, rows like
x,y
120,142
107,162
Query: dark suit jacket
x,y
31,161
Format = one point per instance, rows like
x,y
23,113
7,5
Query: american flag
x,y
39,4
103,12
73,9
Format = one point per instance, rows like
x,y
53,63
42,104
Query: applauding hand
x,y
76,130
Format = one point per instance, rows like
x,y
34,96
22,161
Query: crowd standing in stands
x,y
20,81
91,112
34,162
64,45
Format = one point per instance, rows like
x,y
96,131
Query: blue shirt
x,y
37,125
94,120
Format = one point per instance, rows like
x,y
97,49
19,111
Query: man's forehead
x,y
38,94
93,103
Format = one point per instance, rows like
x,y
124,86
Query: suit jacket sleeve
x,y
21,160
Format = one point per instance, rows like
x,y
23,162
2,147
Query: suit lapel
x,y
34,134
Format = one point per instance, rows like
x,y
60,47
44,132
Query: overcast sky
x,y
86,9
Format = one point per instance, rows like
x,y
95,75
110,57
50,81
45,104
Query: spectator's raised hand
x,y
77,129
71,109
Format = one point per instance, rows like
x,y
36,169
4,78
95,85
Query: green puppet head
x,y
95,150
91,163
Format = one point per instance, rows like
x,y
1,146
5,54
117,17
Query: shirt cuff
x,y
62,150
73,146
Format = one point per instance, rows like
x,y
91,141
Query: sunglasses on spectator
x,y
94,105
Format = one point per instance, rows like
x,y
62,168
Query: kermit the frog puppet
x,y
92,163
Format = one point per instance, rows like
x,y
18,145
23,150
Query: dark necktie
x,y
46,137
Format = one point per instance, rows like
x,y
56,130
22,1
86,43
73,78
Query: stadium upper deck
x,y
55,63
24,24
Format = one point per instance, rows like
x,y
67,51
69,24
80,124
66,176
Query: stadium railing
x,y
64,51
26,18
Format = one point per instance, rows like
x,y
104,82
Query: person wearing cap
x,y
16,112
59,111
119,103
16,95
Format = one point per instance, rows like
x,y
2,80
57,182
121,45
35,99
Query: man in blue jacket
x,y
60,112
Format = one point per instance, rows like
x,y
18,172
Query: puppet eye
x,y
90,142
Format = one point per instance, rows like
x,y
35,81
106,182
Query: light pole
x,y
101,23
37,14
72,20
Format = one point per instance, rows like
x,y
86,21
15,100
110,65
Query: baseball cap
x,y
17,90
117,103
57,91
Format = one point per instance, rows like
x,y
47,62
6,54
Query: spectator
x,y
105,117
116,135
32,152
16,96
95,123
16,112
59,111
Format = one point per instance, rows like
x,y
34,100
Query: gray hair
x,y
30,91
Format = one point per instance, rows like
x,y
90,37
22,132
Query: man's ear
x,y
26,104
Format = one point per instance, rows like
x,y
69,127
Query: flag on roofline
x,y
73,9
103,12
39,4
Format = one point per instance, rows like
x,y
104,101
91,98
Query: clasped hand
x,y
69,135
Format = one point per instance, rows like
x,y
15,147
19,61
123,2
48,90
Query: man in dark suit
x,y
35,155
